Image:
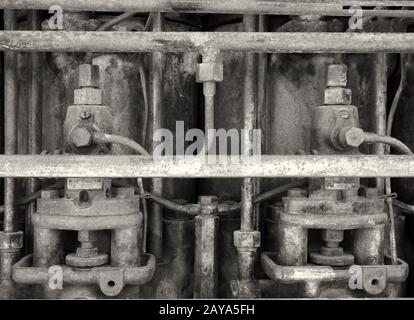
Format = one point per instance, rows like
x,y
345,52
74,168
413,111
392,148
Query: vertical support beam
x,y
249,110
380,106
11,241
35,124
155,219
261,105
10,118
247,239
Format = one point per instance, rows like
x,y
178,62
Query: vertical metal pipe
x,y
35,124
205,260
247,255
249,110
10,116
155,219
9,256
206,257
261,103
380,106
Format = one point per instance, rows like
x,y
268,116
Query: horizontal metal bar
x,y
76,41
59,166
278,7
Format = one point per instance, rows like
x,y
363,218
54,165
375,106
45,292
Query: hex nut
x,y
351,137
86,236
332,235
88,76
247,239
337,75
338,96
81,137
209,72
88,96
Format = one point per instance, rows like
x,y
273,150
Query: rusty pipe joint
x,y
210,71
247,239
11,241
88,81
208,205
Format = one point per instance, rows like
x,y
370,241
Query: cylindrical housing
x,y
47,247
369,245
125,247
206,257
293,245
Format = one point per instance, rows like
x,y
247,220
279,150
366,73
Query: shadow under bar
x,y
296,42
278,7
60,166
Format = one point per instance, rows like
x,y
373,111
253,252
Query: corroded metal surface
x,y
268,166
289,42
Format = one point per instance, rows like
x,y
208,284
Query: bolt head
x,y
209,72
332,235
353,137
338,96
88,75
81,137
337,75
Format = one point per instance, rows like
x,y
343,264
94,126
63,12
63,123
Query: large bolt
x,y
338,96
337,75
81,137
88,76
209,72
332,237
88,96
351,137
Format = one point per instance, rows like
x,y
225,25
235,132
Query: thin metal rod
x,y
284,7
155,218
260,42
35,123
380,106
261,107
10,118
61,166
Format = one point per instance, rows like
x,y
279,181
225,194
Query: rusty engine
x,y
206,149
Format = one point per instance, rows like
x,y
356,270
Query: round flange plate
x,y
75,261
346,259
